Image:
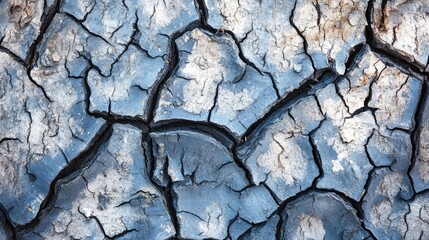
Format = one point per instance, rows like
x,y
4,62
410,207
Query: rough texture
x,y
282,156
202,172
113,197
401,27
321,216
298,38
214,119
213,84
420,171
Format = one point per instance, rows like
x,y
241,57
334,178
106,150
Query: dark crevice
x,y
415,133
172,66
279,228
216,131
167,191
389,54
47,17
6,222
68,173
355,56
316,155
202,11
246,170
307,89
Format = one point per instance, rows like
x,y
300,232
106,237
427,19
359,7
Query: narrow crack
x,y
292,23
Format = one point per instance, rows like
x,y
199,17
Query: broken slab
x,y
400,28
139,39
213,84
391,148
384,207
47,128
112,198
292,40
20,24
280,155
321,216
127,90
372,100
418,217
199,174
395,95
152,23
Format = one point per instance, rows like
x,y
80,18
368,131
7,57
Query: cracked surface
x,y
112,197
318,222
400,26
206,119
299,38
213,84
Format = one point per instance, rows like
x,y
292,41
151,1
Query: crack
x,y
47,16
167,191
273,83
415,132
316,154
214,102
68,173
97,221
309,87
279,228
172,66
391,55
220,133
292,23
80,23
12,55
202,11
109,117
38,85
219,32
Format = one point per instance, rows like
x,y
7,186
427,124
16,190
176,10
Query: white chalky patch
x,y
163,12
289,164
230,103
390,185
336,166
310,227
206,71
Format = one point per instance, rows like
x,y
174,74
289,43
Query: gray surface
x,y
184,119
